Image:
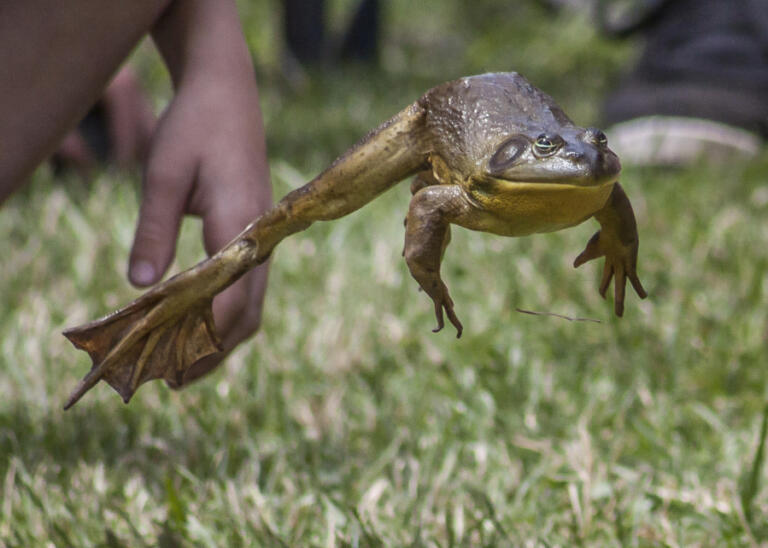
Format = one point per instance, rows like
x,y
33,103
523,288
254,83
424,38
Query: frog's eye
x,y
598,136
546,145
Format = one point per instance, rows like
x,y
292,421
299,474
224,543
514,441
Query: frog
x,y
489,153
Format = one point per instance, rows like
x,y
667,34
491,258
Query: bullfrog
x,y
490,152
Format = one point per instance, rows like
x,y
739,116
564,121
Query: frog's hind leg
x,y
163,333
427,234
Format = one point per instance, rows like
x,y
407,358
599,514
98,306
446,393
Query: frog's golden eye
x,y
546,145
598,136
601,138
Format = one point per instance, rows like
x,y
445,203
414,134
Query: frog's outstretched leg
x,y
427,234
163,333
617,241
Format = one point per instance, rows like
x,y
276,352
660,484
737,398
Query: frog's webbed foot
x,y
617,241
426,237
162,334
145,340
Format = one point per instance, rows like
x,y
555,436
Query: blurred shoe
x,y
680,141
700,87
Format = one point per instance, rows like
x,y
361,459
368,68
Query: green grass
x,y
346,422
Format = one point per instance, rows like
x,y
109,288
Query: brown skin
x,y
492,153
207,155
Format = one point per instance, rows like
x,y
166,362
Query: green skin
x,y
490,152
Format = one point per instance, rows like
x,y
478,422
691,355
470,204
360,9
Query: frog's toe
x,y
439,316
446,303
455,321
635,281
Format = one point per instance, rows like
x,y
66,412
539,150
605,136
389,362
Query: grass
x,y
346,422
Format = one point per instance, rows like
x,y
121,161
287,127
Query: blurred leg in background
x,y
306,36
116,130
361,40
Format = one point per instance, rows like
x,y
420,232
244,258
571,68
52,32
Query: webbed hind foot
x,y
140,343
162,334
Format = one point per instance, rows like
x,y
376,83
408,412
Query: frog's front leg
x,y
427,234
617,241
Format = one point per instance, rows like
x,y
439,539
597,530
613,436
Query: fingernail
x,y
142,273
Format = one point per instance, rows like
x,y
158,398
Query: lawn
x,y
346,421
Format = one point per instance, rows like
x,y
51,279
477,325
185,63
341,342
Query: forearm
x,y
202,40
55,59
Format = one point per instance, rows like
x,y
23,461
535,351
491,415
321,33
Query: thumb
x,y
162,207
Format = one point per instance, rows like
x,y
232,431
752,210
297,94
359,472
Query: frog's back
x,y
470,116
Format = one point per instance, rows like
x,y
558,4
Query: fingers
x,y
162,207
622,274
73,152
607,276
619,262
635,281
237,310
129,116
618,292
592,251
201,368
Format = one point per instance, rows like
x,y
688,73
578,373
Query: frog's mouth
x,y
545,186
494,186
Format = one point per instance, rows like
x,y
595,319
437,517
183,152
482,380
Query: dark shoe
x,y
700,87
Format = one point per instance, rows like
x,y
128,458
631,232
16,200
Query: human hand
x,y
207,158
130,120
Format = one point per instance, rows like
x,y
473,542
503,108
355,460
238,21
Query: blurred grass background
x,y
346,422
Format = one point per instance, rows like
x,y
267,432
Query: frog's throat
x,y
518,209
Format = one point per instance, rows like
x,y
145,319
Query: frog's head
x,y
568,155
499,127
